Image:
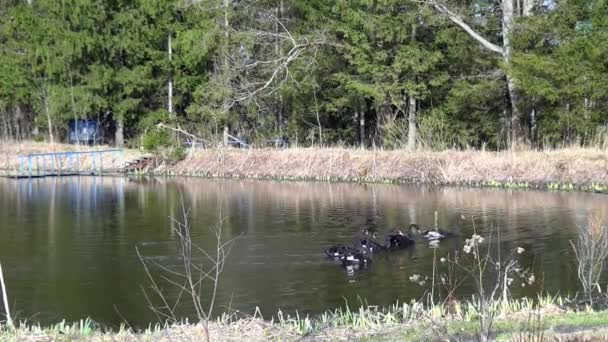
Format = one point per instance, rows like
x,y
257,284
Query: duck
x,y
395,239
366,242
355,259
430,235
338,251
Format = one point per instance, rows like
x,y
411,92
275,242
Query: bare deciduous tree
x,y
256,58
259,76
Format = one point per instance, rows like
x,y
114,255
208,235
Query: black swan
x,y
395,239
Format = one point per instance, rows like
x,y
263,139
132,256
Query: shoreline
x,y
399,322
568,169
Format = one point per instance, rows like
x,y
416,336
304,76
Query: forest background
x,y
396,74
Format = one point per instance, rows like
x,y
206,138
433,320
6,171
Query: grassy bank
x,y
565,169
515,321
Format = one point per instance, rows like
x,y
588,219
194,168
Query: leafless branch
x,y
194,276
591,251
179,130
456,19
265,76
9,321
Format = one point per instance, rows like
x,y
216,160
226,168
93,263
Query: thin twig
x,y
9,320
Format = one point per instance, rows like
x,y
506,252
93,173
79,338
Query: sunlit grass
x,y
398,322
566,169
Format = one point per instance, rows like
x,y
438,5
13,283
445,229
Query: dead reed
x,y
569,169
572,168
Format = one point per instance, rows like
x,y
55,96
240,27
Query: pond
x,y
68,245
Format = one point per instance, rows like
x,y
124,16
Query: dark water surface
x,y
67,245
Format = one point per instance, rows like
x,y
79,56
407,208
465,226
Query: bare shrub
x,y
496,290
197,279
493,275
591,250
437,134
533,329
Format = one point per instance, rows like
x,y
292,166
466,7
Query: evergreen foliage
x,y
344,72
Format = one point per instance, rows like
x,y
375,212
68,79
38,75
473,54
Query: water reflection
x,y
68,244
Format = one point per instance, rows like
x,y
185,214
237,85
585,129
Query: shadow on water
x,y
68,245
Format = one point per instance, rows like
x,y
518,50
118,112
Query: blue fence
x,y
66,163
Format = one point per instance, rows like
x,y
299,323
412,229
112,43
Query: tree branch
x,y
179,130
9,321
458,21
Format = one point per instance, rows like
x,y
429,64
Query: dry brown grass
x,y
581,167
577,166
258,330
252,329
364,325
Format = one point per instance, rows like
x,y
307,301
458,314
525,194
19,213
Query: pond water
x,y
68,245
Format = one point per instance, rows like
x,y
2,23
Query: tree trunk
x,y
411,132
225,136
517,134
533,128
528,6
48,117
170,82
35,130
278,52
225,68
9,126
18,122
74,111
119,135
226,5
314,94
411,119
376,139
361,128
